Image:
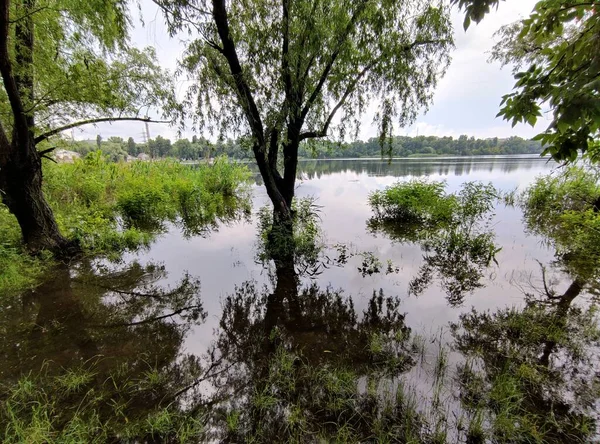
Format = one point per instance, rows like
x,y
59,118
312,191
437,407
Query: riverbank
x,y
111,208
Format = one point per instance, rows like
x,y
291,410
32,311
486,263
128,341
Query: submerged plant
x,y
452,229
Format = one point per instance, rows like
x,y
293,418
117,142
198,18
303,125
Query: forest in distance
x,y
117,148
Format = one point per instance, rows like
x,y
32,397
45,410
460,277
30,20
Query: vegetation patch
x,y
110,207
454,231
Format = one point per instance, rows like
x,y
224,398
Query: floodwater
x,y
190,305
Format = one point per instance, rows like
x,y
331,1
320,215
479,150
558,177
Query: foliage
x,y
475,10
83,64
563,207
325,43
415,202
113,207
556,61
18,270
452,229
398,146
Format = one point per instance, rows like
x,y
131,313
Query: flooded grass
x,y
100,351
111,208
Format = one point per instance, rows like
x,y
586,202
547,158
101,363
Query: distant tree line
x,y
198,148
403,146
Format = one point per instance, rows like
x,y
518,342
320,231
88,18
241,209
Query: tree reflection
x,y
296,357
532,371
454,232
100,347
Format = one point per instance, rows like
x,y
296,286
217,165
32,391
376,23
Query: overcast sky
x,y
466,101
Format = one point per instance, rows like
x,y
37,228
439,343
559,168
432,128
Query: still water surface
x,y
341,188
119,312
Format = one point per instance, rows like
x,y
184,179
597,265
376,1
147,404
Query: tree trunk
x,y
21,185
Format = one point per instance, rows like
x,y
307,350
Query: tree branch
x,y
243,89
4,146
55,131
273,149
352,87
333,58
349,90
285,61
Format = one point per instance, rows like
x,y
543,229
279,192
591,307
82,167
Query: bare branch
x,y
58,130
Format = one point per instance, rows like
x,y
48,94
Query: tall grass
x,y
110,207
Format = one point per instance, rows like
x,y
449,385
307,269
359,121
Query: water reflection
x,y
295,355
453,231
101,345
416,167
531,372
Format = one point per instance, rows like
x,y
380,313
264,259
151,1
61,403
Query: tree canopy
x,y
556,63
284,72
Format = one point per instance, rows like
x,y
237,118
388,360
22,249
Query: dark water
x,y
189,305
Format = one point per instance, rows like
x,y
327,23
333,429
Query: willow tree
x,y
61,60
287,71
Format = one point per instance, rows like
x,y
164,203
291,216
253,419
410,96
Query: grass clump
x,y
302,242
76,406
110,208
414,202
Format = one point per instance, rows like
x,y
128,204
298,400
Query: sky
x,y
466,100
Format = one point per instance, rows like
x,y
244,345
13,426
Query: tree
x,y
132,148
556,62
284,72
99,141
60,60
184,149
159,147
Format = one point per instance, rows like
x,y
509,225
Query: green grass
x,y
111,208
76,407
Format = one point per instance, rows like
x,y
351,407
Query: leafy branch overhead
x,y
81,64
557,64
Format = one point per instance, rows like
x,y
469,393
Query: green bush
x,y
416,201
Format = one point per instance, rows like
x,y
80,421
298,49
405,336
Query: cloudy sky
x,y
466,101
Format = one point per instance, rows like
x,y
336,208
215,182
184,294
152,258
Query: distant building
x,y
66,156
143,156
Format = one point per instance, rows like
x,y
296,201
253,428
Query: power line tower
x,y
147,129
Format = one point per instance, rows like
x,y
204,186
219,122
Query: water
x,y
341,189
119,312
